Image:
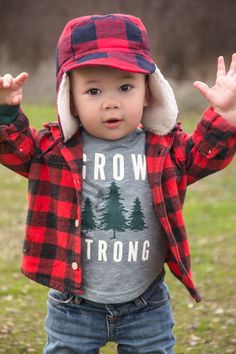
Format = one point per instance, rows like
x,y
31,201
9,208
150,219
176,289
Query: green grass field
x,y
210,213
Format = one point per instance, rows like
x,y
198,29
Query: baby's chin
x,y
111,135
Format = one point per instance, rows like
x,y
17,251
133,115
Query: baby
x,y
107,184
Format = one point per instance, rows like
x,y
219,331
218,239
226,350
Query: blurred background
x,y
186,38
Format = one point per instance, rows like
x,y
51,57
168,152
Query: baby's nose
x,y
111,104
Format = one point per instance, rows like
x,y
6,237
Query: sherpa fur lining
x,y
69,123
159,116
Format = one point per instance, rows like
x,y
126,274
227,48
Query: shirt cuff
x,y
8,114
219,121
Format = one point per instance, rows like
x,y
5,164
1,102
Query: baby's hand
x,y
11,89
222,96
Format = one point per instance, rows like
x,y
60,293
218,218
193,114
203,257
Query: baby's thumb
x,y
21,79
202,87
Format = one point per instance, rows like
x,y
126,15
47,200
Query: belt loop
x,y
140,302
77,300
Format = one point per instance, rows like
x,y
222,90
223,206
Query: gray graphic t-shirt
x,y
124,247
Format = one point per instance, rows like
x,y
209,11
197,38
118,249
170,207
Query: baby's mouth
x,y
112,122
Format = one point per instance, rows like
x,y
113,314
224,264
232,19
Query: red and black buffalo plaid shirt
x,y
52,246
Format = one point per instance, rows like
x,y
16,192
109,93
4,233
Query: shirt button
x,y
74,266
76,223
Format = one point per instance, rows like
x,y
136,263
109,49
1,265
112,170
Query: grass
x,y
210,213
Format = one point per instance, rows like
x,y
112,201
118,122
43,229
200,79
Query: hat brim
x,y
131,62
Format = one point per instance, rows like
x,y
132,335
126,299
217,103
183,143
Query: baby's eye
x,y
125,87
94,92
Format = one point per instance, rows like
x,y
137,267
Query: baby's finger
x,y
221,67
21,78
7,80
232,69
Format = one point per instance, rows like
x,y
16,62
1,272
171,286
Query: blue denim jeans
x,y
142,326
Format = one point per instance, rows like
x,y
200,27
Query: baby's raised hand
x,y
222,96
11,89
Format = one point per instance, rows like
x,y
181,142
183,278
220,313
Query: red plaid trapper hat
x,y
115,40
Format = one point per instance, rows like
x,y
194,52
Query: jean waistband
x,y
146,294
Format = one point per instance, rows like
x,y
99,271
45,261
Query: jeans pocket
x,y
159,296
59,298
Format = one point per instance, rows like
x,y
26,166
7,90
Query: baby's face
x,y
108,102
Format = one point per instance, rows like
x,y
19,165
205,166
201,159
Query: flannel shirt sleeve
x,y
210,148
17,140
8,114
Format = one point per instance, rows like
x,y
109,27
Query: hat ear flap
x,y
160,115
69,123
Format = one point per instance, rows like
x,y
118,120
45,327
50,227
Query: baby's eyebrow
x,y
127,77
92,82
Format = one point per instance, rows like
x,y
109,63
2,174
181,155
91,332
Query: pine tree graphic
x,y
88,219
136,220
113,212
